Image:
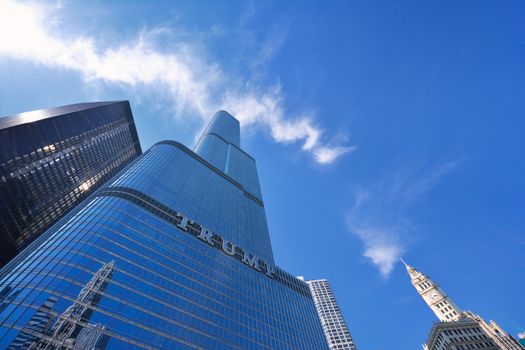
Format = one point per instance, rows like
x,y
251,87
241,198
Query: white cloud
x,y
327,155
265,109
379,215
521,335
384,256
193,85
381,246
383,243
270,47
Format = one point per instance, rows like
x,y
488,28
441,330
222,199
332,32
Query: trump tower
x,y
173,252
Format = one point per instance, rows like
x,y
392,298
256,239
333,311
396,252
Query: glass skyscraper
x,y
52,159
172,253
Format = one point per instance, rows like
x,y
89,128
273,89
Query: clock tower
x,y
434,296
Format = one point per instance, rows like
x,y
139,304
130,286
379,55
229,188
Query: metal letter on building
x,y
251,260
270,270
206,235
184,222
228,247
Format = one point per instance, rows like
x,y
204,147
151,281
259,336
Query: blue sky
x,y
381,130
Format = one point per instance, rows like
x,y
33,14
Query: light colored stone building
x,y
456,335
434,296
458,330
499,336
334,326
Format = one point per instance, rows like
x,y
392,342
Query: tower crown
x,y
442,306
220,145
224,126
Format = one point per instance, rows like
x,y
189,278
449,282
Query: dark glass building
x,y
52,159
172,253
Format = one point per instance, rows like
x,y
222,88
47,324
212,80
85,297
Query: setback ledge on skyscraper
x,y
211,167
164,212
223,139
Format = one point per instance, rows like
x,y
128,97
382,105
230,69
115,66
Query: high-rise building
x,y
52,159
461,334
456,325
173,253
334,326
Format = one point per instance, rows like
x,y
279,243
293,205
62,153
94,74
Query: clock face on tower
x,y
434,295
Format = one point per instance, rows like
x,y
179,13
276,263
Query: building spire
x,y
438,301
408,267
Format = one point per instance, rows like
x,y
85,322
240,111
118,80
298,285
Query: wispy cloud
x,y
270,46
192,84
379,216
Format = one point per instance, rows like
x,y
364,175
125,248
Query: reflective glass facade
x,y
52,159
172,253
